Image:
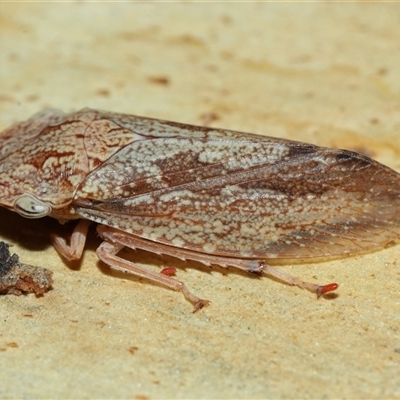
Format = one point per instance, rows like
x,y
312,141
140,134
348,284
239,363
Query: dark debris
x,y
17,278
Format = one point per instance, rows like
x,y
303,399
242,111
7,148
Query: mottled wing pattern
x,y
44,156
15,137
241,195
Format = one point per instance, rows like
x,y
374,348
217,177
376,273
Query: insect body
x,y
195,193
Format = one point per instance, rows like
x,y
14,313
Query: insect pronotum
x,y
195,193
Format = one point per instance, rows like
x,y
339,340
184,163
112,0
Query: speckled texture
x,y
318,72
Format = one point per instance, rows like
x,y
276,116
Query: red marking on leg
x,y
330,287
169,271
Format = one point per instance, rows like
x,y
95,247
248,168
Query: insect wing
x,y
251,197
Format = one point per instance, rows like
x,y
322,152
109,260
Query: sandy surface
x,y
317,72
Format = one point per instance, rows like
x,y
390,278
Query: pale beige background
x,y
327,73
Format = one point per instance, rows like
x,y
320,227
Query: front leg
x,y
107,253
72,251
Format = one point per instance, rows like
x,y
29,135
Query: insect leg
x,y
73,250
293,280
256,266
133,242
107,253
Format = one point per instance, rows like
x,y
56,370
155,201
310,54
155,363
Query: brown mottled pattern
x,y
203,189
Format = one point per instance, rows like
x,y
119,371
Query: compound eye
x,y
30,207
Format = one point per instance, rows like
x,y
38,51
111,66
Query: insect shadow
x,y
28,233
